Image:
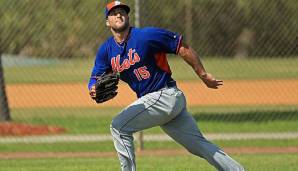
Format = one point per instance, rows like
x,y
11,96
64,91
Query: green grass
x,y
107,146
58,71
59,147
210,120
272,162
78,70
216,119
75,120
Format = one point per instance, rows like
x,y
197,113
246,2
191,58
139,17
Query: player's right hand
x,y
92,91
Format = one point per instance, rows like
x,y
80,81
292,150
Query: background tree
x,y
4,108
66,29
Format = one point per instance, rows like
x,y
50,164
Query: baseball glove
x,y
105,87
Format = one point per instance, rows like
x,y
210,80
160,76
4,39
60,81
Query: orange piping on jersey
x,y
179,44
162,62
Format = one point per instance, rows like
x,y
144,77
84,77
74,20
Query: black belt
x,y
171,84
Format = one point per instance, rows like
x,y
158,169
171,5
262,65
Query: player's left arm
x,y
192,58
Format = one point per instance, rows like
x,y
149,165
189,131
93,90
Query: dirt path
x,y
35,138
254,92
163,152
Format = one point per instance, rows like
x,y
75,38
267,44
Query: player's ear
x,y
107,23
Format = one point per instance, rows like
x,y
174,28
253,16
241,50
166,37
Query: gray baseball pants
x,y
165,108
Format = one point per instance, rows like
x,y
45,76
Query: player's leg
x,y
184,130
151,110
124,146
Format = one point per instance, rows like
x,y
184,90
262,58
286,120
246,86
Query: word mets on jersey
x,y
133,58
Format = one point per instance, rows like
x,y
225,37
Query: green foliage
x,y
75,28
275,26
51,28
218,27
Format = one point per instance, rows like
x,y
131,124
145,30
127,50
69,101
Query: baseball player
x,y
139,56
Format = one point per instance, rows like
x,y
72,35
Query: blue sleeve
x,y
101,65
161,40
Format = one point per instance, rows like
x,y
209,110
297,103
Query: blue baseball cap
x,y
115,4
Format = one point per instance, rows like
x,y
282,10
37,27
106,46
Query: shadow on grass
x,y
253,116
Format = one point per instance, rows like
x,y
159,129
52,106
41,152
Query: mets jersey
x,y
140,60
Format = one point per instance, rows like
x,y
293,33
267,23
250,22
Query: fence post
x,y
140,139
188,21
4,109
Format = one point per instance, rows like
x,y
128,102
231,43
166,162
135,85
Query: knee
x,y
118,131
115,124
194,152
115,130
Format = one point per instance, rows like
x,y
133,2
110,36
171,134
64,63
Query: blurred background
x,y
47,51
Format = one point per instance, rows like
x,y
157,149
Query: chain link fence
x,y
74,28
48,49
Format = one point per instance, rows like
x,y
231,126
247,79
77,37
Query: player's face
x,y
118,20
